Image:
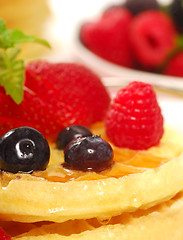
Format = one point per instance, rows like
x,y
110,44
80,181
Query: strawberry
x,y
51,97
152,37
32,111
134,119
77,91
175,66
3,235
55,96
108,36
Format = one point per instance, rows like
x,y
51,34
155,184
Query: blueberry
x,y
176,11
23,149
70,133
138,6
88,153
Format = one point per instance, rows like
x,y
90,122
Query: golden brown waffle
x,y
141,189
164,221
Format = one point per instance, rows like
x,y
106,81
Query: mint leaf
x,y
2,26
12,79
12,70
17,37
180,42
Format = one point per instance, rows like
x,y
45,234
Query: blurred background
x,y
55,20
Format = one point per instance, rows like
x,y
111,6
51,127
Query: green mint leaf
x,y
12,53
18,36
180,42
12,70
12,80
2,26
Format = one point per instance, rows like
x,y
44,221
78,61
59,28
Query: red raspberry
x,y
134,119
108,37
3,235
152,36
175,66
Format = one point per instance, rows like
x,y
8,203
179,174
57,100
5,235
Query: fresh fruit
x,y
134,119
152,37
85,104
70,133
108,36
23,149
3,235
138,6
175,66
88,154
32,112
49,105
51,97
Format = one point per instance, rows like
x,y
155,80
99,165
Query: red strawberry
x,y
175,66
134,119
3,235
108,37
55,96
32,111
79,94
152,37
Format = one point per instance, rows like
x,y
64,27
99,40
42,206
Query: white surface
x,y
67,16
172,110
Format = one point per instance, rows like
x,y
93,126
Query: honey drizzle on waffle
x,y
126,162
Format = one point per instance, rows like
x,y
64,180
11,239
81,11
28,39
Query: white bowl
x,y
114,75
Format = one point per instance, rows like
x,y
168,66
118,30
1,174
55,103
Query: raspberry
x,y
3,235
108,37
152,36
134,119
175,66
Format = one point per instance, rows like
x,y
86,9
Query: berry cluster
x,y
56,95
43,95
83,150
139,35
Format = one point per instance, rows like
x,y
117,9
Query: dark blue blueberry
x,y
88,153
70,133
176,12
23,149
138,6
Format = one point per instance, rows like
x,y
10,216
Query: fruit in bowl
x,y
147,39
113,171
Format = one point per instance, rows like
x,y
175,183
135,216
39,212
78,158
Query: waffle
x,y
139,195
